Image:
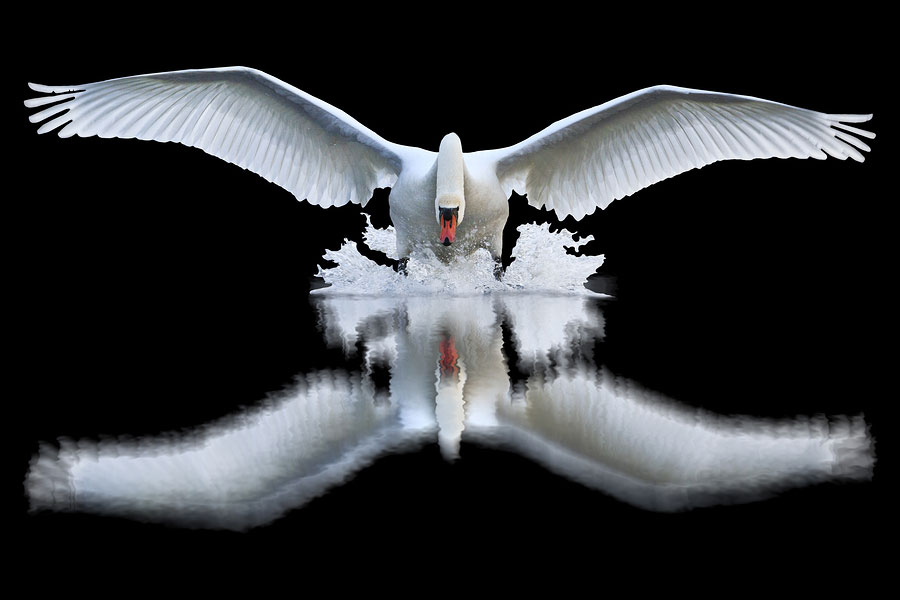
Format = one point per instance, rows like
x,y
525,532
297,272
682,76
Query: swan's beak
x,y
448,217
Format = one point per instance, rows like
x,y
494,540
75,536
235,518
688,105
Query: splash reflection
x,y
449,381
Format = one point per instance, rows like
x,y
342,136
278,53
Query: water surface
x,y
456,359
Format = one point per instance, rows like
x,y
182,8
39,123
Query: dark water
x,y
138,350
437,370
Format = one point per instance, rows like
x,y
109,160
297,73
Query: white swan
x,y
322,155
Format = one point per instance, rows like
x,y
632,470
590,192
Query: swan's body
x,y
324,156
471,184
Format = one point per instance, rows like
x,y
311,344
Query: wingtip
x,y
52,89
852,118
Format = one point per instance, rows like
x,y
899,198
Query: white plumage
x,y
322,155
613,150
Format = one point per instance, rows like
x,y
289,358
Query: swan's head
x,y
450,200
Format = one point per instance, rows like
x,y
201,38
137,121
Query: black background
x,y
156,288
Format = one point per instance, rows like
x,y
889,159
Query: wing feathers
x,y
240,115
47,112
854,130
53,124
50,89
614,150
853,142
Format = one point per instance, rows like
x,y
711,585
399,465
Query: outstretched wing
x,y
241,115
613,150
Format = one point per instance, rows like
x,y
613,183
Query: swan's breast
x,y
484,195
412,206
412,200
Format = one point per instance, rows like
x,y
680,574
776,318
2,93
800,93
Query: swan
x,y
450,201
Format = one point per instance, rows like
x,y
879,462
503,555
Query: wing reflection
x,y
449,382
236,474
650,452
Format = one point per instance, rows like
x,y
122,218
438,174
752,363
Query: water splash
x,y
381,240
541,264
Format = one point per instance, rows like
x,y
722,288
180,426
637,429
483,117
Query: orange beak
x,y
448,225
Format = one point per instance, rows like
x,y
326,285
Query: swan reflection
x,y
449,381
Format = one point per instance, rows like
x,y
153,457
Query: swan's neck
x,y
450,176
